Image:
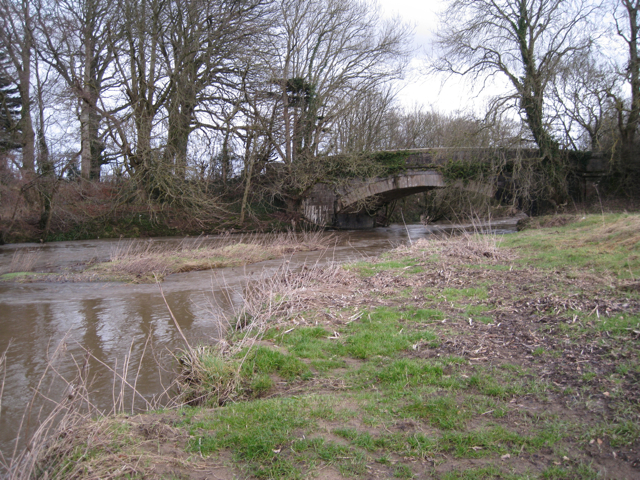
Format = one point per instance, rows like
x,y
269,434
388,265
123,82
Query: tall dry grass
x,y
211,374
61,423
477,243
62,428
145,258
23,260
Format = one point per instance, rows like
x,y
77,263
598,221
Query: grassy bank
x,y
461,358
147,261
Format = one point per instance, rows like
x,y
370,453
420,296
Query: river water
x,y
115,320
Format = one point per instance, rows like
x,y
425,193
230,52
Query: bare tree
x,y
378,125
10,105
325,57
134,127
627,22
525,41
329,53
209,46
582,104
76,41
16,39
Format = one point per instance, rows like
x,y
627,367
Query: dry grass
x,y
607,246
23,260
621,232
613,230
460,248
479,244
147,260
547,221
46,417
117,448
210,374
63,434
62,428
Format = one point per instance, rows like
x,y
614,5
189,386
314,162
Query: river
x,y
114,320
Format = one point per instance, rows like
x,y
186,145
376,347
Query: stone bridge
x,y
353,204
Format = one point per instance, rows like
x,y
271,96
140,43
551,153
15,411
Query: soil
x,y
547,323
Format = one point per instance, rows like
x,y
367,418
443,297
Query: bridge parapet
x,y
422,158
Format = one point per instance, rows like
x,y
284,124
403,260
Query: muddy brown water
x,y
114,320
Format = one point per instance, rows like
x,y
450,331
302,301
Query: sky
x,y
445,94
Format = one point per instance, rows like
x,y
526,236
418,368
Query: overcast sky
x,y
418,87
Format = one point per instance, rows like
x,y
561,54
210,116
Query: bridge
x,y
354,203
354,206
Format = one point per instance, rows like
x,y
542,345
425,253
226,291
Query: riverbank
x,y
469,357
134,261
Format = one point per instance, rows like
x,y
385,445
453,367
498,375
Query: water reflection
x,y
109,319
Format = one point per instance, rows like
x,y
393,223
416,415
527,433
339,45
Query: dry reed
x,y
61,434
151,259
23,260
62,427
211,374
481,244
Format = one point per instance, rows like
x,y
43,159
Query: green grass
x,y
378,333
266,436
17,276
471,443
253,430
458,294
307,342
608,244
368,269
619,434
441,412
263,360
397,386
619,325
261,384
404,372
402,471
328,364
475,310
424,315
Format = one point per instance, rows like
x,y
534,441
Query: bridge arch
x,y
327,205
390,188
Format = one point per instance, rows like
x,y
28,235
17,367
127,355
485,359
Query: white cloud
x,y
444,93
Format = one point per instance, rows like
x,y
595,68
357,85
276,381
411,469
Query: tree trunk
x,y
25,125
91,146
181,112
628,128
248,172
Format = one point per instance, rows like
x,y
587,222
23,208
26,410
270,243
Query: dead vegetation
x,y
533,374
23,260
460,248
546,221
146,261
